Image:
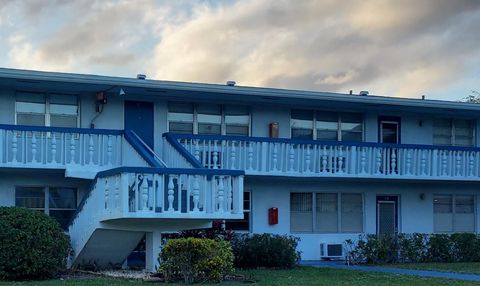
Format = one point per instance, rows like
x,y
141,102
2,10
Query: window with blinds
x,y
40,109
453,213
454,132
326,125
59,203
208,119
301,214
326,212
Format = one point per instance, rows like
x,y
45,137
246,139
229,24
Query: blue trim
x,y
148,170
187,155
61,129
170,171
143,149
317,142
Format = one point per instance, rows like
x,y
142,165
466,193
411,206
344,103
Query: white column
x,y
153,247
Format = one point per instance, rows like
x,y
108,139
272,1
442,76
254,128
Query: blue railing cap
x,y
317,142
61,129
170,171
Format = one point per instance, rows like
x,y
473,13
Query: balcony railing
x,y
129,193
51,147
287,157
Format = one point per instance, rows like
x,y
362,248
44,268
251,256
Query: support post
x,y
153,247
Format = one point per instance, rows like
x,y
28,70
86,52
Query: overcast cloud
x,y
398,48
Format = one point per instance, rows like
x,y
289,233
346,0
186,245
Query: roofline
x,y
219,88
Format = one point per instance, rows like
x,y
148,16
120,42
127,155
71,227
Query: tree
x,y
474,97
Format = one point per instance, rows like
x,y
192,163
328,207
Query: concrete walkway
x,y
389,270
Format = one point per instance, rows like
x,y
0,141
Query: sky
x,y
405,48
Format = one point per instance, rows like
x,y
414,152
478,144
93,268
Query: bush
x,y
265,250
215,232
414,248
195,260
32,245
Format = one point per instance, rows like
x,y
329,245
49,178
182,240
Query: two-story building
x,y
118,159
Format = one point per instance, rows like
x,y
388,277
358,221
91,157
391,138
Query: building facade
x,y
118,160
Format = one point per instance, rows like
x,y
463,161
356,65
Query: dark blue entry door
x,y
139,118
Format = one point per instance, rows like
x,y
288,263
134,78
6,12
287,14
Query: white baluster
x,y
458,163
170,187
215,155
423,162
307,159
197,150
90,149
229,190
14,147
324,159
444,163
275,156
54,148
109,150
378,160
144,193
232,156
393,160
291,157
107,194
340,159
72,149
363,160
117,192
221,189
196,193
408,162
250,155
471,164
34,148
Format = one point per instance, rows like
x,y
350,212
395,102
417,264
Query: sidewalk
x,y
390,270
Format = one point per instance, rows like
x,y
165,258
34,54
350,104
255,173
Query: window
x,y
455,132
326,212
454,213
326,125
59,203
242,224
208,119
39,109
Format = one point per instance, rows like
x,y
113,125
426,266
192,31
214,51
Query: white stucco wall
x,y
415,214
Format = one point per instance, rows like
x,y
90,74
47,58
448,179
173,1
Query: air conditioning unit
x,y
331,251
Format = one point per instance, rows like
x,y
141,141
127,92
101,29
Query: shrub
x,y
196,260
440,248
412,247
32,245
374,249
466,247
215,232
265,250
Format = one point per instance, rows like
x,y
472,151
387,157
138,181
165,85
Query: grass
x,y
299,276
457,267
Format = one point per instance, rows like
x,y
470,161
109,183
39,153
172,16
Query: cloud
x,y
403,48
400,48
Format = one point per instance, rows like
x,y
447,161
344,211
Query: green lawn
x,y
458,267
300,276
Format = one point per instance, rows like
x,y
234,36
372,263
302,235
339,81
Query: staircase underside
x,y
107,248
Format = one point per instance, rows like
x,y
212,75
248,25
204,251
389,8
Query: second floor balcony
x,y
298,158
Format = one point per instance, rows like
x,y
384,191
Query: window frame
x,y
223,125
339,212
47,115
451,121
46,192
454,213
339,124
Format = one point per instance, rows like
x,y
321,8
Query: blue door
x,y
139,118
